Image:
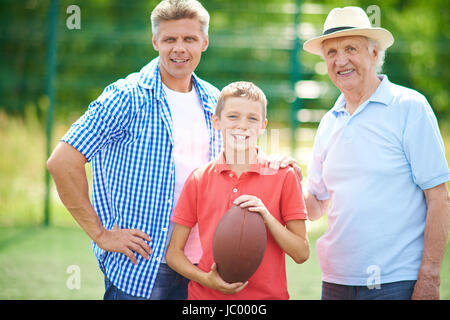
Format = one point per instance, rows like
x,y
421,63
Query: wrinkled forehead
x,y
343,41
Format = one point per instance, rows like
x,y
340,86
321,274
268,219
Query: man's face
x,y
180,44
349,63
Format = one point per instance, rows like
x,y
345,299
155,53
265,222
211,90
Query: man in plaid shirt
x,y
136,135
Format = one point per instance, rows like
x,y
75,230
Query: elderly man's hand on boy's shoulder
x,y
277,161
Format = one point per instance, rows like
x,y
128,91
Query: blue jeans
x,y
169,285
401,290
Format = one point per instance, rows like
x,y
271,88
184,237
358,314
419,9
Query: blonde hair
x,y
242,89
168,10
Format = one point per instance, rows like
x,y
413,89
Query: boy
x,y
240,176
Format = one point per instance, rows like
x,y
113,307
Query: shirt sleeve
x,y
103,122
185,212
292,203
424,148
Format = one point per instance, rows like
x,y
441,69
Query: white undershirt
x,y
190,151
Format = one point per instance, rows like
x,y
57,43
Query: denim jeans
x,y
114,293
401,290
169,285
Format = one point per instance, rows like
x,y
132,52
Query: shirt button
x,y
234,190
164,229
169,200
158,259
231,175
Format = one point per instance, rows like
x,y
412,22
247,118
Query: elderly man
x,y
379,161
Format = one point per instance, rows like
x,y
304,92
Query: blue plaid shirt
x,y
127,134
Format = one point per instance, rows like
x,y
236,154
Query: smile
x,y
179,60
240,137
345,72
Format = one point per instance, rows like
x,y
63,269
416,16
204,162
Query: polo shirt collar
x,y
383,95
150,78
260,167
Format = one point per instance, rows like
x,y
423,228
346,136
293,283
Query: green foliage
x,y
419,57
250,40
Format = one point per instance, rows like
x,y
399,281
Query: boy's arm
x,y
292,239
177,260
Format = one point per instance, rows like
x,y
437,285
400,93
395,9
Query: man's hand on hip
x,y
126,241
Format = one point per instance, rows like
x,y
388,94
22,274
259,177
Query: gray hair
x,y
374,44
168,10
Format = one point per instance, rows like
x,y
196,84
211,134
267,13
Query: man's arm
x,y
316,208
67,167
435,241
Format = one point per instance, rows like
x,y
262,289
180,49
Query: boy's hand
x,y
217,283
253,204
282,161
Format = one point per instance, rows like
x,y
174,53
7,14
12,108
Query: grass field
x,y
35,262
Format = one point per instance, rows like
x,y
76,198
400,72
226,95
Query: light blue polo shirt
x,y
373,166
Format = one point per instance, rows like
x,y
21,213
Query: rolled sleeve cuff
x,y
296,216
77,144
435,182
183,222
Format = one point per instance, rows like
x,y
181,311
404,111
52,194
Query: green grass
x,y
34,264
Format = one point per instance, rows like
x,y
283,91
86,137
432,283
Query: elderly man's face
x,y
350,65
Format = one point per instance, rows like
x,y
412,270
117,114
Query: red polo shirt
x,y
210,191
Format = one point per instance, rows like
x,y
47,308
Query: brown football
x,y
239,244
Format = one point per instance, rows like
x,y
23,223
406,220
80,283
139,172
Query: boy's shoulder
x,y
264,168
204,170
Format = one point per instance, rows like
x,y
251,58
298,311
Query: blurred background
x,y
58,56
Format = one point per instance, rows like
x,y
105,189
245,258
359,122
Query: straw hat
x,y
348,21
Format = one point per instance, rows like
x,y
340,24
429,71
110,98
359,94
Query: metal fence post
x,y
296,75
50,91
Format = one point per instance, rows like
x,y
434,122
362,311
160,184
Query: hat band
x,y
328,31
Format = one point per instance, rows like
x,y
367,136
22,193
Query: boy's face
x,y
241,122
180,44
